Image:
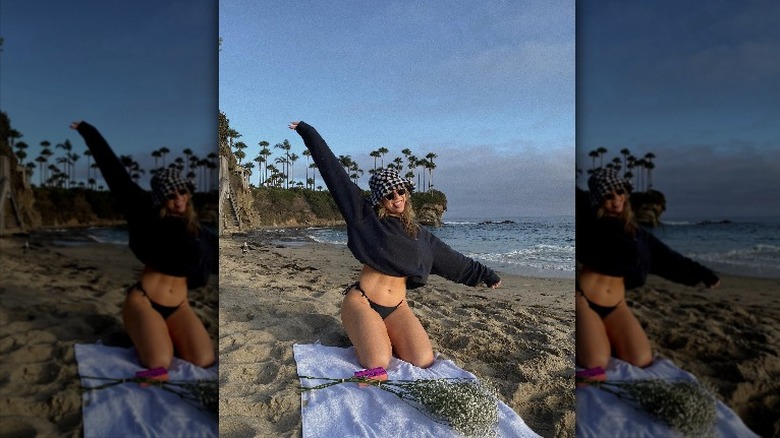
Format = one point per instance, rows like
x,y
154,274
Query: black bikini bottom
x,y
383,311
164,311
602,311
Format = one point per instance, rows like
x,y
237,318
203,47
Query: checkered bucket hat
x,y
602,182
385,181
168,181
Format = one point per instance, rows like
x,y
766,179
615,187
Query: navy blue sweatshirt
x,y
161,243
603,246
383,244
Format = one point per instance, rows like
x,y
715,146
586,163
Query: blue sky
x,y
488,89
696,84
143,72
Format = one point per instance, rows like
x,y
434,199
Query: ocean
x,y
746,247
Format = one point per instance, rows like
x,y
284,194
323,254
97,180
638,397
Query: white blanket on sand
x,y
127,409
600,413
346,410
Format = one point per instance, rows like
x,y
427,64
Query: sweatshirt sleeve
x,y
456,267
131,199
673,266
347,194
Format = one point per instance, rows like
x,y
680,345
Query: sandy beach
x,y
728,337
520,337
53,296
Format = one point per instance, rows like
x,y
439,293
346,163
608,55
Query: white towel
x,y
347,410
600,413
129,410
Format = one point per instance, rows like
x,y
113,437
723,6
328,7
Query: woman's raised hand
x,y
293,125
75,125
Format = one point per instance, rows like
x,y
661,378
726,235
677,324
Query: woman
x,y
178,254
616,255
397,254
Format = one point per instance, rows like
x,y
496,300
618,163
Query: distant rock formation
x,y
648,207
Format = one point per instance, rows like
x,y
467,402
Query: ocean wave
x,y
760,260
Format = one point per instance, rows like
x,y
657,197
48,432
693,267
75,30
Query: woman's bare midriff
x,y
601,289
163,289
382,289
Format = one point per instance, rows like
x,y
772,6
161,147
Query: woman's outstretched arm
x,y
129,196
346,193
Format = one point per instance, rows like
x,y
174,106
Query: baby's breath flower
x,y
204,393
466,405
686,406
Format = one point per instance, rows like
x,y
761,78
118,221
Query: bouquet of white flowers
x,y
466,405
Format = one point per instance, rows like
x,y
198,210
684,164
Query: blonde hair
x,y
626,216
407,217
189,216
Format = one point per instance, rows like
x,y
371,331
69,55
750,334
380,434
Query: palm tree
x,y
649,166
601,151
355,172
431,165
346,162
156,154
265,152
285,146
73,158
307,154
188,158
240,146
382,151
163,152
88,154
13,135
593,155
313,167
293,159
261,158
20,146
375,154
625,152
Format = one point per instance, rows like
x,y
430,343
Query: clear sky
x,y
143,72
488,87
695,83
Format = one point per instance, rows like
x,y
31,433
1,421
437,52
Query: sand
x,y
53,296
521,336
728,337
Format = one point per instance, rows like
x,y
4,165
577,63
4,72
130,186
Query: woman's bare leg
x,y
367,331
148,331
190,337
593,349
627,336
408,337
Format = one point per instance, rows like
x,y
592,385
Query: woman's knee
x,y
155,359
639,358
421,359
374,359
593,359
203,359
